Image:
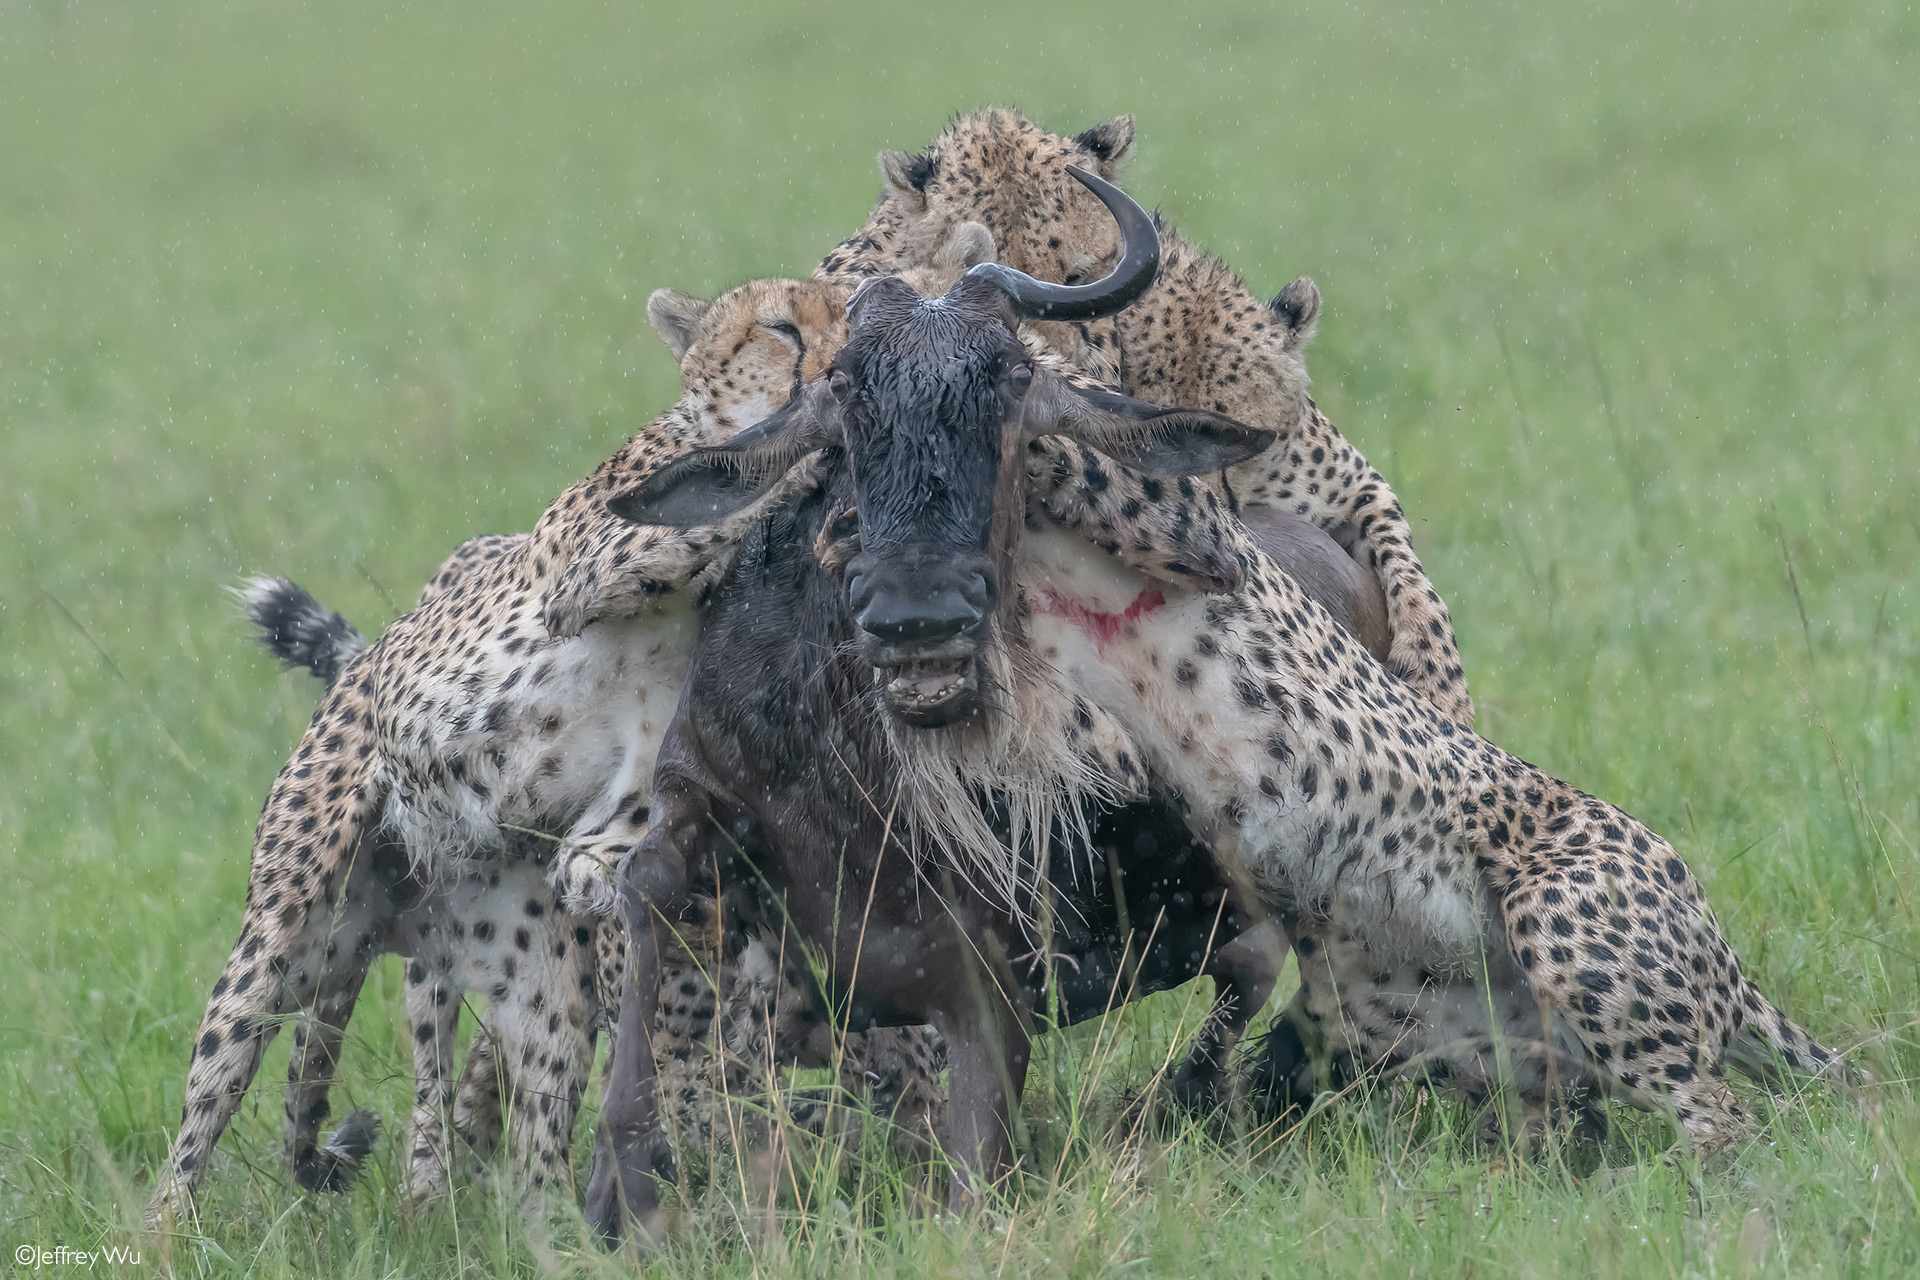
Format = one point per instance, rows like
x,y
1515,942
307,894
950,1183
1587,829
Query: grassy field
x,y
1624,305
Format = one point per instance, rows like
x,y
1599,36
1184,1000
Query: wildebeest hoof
x,y
1197,1092
629,1214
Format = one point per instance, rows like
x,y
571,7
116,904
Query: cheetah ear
x,y
1111,144
1297,307
676,317
907,175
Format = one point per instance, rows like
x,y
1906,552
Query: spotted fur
x,y
1200,337
1510,926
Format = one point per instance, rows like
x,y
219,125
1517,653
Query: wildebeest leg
x,y
987,1048
1280,1074
631,1150
1243,973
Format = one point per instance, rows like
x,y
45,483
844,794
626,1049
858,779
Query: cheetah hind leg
x,y
310,1070
541,1033
271,971
1651,1042
1522,1090
479,1102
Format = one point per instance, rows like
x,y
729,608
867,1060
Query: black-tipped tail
x,y
299,630
334,1166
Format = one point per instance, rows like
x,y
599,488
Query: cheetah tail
x,y
1770,1039
333,1166
299,630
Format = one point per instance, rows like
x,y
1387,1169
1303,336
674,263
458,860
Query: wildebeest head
x,y
932,402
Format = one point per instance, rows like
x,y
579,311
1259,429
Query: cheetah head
x,y
998,168
745,354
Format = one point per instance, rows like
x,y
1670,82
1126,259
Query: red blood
x,y
1100,627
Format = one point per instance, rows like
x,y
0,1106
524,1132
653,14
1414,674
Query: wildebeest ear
x,y
1110,144
676,317
970,245
708,485
906,175
1164,442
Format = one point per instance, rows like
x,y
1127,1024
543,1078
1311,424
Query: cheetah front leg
x,y
1321,477
615,568
583,870
1176,530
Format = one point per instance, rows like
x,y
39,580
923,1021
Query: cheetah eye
x,y
844,525
790,332
840,385
1074,277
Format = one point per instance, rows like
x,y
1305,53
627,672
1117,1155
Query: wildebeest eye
x,y
839,384
1021,376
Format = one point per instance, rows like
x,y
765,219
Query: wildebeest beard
x,y
989,800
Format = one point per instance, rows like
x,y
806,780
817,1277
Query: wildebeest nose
x,y
926,618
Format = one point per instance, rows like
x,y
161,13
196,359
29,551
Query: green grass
x,y
1622,302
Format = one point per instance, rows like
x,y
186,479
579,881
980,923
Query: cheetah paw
x,y
585,884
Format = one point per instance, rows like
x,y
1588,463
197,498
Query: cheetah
x,y
1199,338
1494,923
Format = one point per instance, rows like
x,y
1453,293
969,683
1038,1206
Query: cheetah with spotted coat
x,y
1199,338
1495,922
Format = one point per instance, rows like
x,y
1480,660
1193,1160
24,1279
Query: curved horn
x,y
1118,289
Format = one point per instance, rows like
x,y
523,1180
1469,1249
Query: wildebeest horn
x,y
1124,285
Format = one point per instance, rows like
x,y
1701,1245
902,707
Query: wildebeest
x,y
855,713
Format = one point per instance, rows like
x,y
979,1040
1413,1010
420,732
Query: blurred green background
x,y
1622,301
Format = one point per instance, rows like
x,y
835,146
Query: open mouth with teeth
x,y
930,692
